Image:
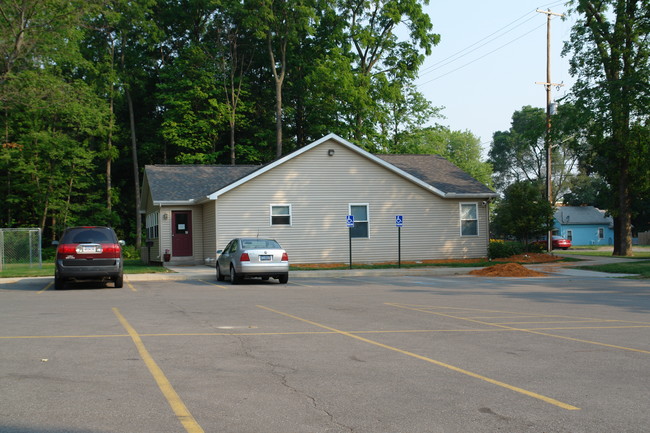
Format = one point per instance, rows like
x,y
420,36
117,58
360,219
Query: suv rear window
x,y
93,235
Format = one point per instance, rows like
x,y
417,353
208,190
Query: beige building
x,y
303,200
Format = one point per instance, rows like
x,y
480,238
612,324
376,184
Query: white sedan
x,y
253,257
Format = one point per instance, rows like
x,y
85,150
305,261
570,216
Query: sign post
x,y
350,224
399,222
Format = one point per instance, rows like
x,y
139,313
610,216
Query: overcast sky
x,y
489,58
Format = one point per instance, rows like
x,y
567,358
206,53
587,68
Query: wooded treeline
x,y
91,91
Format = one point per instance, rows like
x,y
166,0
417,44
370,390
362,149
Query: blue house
x,y
584,225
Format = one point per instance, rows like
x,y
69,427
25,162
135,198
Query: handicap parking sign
x,y
350,220
399,220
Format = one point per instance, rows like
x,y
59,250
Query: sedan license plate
x,y
266,258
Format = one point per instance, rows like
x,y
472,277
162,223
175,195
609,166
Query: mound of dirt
x,y
506,270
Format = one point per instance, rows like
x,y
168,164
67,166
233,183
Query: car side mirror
x,y
121,242
55,243
219,251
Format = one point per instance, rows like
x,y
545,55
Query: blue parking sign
x,y
399,220
350,220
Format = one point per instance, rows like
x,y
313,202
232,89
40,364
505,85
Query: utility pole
x,y
549,112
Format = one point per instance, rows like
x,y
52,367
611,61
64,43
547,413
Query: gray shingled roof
x,y
191,182
438,172
185,182
582,215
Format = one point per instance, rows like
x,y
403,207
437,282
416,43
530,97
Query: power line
x,y
483,42
460,54
483,56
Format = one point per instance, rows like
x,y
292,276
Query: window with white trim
x,y
361,220
280,214
601,233
469,219
152,225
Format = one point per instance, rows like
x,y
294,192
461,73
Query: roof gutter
x,y
471,195
175,202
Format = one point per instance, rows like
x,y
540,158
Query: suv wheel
x,y
59,284
119,282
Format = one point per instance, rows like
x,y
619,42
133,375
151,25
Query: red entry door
x,y
181,233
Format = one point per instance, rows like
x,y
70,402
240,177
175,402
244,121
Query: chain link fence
x,y
20,248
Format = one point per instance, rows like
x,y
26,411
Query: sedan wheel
x,y
284,278
234,278
220,276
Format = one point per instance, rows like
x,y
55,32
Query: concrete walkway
x,y
556,269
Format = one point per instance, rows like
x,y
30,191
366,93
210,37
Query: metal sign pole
x,y
399,222
399,247
350,240
350,224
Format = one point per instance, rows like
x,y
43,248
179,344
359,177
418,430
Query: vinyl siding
x,y
209,228
320,188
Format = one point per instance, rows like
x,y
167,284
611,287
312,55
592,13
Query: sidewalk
x,y
201,272
556,269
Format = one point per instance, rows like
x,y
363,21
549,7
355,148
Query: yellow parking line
x,y
18,337
175,402
131,286
431,308
432,361
530,331
50,284
553,321
215,284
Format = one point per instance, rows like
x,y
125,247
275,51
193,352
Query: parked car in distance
x,y
252,257
558,242
87,254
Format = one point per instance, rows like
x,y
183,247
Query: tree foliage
x,y
523,212
610,59
92,90
462,148
519,154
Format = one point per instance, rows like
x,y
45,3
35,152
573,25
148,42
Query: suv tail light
x,y
285,257
244,257
67,249
111,248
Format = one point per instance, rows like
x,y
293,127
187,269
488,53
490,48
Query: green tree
x,y
379,58
519,154
610,59
51,164
523,212
280,23
460,147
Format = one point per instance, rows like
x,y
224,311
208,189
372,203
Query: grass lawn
x,y
134,266
640,267
638,254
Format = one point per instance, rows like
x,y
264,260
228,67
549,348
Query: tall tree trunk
x,y
278,119
109,157
136,173
279,79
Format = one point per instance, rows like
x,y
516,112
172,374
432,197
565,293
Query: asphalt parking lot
x,y
355,354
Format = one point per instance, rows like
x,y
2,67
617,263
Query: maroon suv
x,y
88,253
